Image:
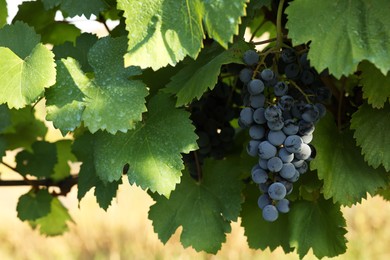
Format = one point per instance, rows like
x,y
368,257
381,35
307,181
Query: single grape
x,y
280,89
277,191
259,176
275,164
273,113
321,108
297,163
246,116
267,74
276,126
266,150
290,127
292,71
256,132
257,101
295,177
307,138
276,137
251,57
258,116
304,153
270,213
287,171
307,77
263,201
253,147
305,128
288,55
255,87
293,143
283,206
246,75
304,61
310,113
304,167
285,102
285,156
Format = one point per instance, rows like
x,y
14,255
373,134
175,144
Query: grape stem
x,y
279,32
257,29
268,41
300,90
198,168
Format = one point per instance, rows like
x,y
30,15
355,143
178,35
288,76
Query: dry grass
x,y
124,232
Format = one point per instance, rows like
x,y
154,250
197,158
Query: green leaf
x,y
64,156
43,21
54,223
76,98
79,51
204,209
369,125
34,205
152,149
199,75
24,77
256,228
24,129
342,33
49,4
105,192
83,148
375,85
20,38
40,162
74,7
347,178
3,12
318,225
166,31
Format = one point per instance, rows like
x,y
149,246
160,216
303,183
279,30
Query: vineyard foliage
x,y
128,107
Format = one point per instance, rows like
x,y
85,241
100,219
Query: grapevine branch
x,y
65,185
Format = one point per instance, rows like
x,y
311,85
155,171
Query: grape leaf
x,y
166,31
203,209
375,85
369,124
199,75
34,205
347,178
40,162
24,129
75,97
152,149
104,191
54,223
3,12
79,51
24,74
318,225
64,156
54,32
255,227
49,4
342,33
74,7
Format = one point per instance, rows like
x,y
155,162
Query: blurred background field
x,y
124,232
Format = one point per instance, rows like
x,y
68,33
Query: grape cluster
x,y
211,116
281,109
